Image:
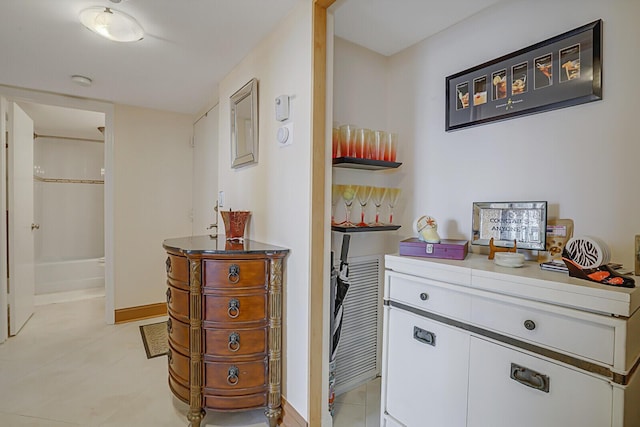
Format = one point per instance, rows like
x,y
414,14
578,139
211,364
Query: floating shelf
x,y
369,164
341,229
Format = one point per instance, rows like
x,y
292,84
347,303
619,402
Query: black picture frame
x,y
559,72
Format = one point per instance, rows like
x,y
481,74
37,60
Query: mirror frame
x,y
249,90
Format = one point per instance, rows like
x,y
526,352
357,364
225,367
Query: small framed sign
x,y
524,222
559,72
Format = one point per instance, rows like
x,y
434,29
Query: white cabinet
x,y
468,343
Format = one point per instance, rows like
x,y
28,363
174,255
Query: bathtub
x,y
66,276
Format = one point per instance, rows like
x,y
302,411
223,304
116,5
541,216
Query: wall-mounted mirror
x,y
244,125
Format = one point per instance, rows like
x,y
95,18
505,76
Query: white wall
x,y
582,160
152,170
277,189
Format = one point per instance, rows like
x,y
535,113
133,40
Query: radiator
x,y
359,351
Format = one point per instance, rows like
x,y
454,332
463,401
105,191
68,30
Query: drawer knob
x,y
234,308
168,293
234,342
169,326
234,273
168,263
232,378
529,324
424,296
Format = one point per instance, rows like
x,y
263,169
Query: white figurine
x,y
427,229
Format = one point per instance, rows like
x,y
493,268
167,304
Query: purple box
x,y
447,249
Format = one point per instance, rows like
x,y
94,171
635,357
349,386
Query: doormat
x,y
154,338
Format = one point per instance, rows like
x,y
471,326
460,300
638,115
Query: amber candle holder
x,y
234,224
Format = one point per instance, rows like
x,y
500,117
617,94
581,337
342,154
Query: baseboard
x,y
291,417
140,312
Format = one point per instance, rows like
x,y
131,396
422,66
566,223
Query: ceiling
x,y
189,46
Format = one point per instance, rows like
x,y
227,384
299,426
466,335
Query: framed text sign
x,y
560,72
524,222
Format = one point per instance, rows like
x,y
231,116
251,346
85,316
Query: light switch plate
x,y
282,108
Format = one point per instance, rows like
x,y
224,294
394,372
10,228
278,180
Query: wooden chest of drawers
x,y
225,318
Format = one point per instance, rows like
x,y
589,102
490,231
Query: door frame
x,y
8,94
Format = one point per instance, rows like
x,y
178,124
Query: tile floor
x,y
68,368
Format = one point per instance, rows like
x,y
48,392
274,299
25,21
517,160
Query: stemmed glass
x,y
392,200
349,193
364,194
377,196
336,193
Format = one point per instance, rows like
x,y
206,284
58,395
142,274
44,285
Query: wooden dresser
x,y
471,344
224,301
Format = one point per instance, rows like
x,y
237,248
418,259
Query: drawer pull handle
x,y
168,293
168,263
169,326
530,325
424,296
424,336
530,378
234,308
232,378
234,342
234,273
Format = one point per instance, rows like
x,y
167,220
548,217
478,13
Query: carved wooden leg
x,y
195,417
273,414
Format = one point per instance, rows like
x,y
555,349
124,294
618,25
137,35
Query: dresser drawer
x,y
178,389
236,376
556,329
257,400
178,303
429,295
177,268
178,365
223,274
235,342
178,334
234,309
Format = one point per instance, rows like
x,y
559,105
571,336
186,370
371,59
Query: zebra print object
x,y
588,251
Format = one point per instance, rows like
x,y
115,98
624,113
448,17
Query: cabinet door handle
x,y
234,342
424,336
529,324
232,378
234,273
168,293
234,308
168,264
530,378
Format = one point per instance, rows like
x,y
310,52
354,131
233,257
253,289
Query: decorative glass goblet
x,y
392,200
336,194
378,194
364,194
349,193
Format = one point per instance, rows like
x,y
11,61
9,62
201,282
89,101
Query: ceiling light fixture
x,y
112,24
81,80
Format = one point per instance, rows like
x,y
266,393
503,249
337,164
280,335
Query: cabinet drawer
x,y
235,376
246,308
178,303
235,342
178,334
178,365
257,400
179,389
429,295
177,268
549,329
425,371
235,274
498,400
